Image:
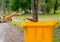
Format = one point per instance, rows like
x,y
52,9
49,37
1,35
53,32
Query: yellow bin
x,y
38,31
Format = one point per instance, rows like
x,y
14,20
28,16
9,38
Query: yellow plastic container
x,y
38,31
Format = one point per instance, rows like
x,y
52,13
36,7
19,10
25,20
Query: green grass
x,y
56,32
17,25
57,11
56,40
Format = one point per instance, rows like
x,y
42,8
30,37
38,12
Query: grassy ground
x,y
17,23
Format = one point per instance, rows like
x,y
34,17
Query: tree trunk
x,y
3,7
55,7
54,11
47,7
3,11
35,9
30,11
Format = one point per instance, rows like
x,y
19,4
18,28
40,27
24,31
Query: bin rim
x,y
39,24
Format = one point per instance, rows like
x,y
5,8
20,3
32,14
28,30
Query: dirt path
x,y
10,34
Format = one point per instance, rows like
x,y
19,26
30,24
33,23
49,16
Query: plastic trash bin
x,y
38,31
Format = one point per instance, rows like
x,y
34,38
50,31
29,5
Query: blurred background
x,y
48,10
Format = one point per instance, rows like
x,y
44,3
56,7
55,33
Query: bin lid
x,y
43,24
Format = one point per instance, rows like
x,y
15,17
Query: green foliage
x,y
0,2
25,5
46,5
6,3
20,4
14,4
57,12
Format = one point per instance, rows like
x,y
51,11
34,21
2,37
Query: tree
x,y
6,3
35,9
25,5
3,7
0,4
46,6
14,4
56,5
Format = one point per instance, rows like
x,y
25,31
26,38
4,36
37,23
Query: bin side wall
x,y
38,34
